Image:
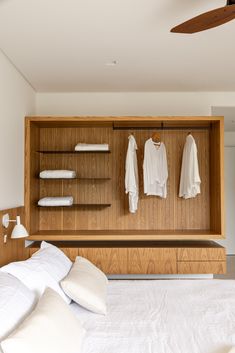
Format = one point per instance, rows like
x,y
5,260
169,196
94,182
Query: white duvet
x,y
152,316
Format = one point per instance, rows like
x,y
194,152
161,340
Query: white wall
x,y
229,242
132,103
17,99
229,154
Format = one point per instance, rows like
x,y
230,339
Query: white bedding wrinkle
x,y
45,268
50,328
154,316
16,302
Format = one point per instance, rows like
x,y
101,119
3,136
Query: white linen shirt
x,y
155,169
190,179
131,176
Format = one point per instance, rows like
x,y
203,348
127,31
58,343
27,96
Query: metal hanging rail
x,y
160,128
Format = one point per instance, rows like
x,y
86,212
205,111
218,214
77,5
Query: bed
x,y
163,316
143,316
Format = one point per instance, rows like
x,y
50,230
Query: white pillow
x,y
50,328
46,268
53,260
86,285
16,302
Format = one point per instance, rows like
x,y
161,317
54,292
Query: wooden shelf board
x,y
124,235
72,152
76,205
130,244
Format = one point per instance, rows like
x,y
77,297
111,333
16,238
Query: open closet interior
x,y
100,211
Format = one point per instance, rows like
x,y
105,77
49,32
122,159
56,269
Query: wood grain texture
x,y
132,235
202,267
217,178
201,254
151,261
172,218
207,20
157,257
172,213
14,249
32,168
127,260
64,121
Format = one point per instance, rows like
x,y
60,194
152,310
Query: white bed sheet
x,y
155,316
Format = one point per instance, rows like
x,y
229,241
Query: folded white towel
x,y
56,201
57,174
91,147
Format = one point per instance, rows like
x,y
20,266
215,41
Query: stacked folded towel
x,y
91,147
57,174
56,201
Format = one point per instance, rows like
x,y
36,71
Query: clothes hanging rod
x,y
161,128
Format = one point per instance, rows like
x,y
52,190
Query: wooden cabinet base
x,y
192,257
203,267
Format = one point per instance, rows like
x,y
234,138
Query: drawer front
x,y
109,260
201,254
203,267
152,261
127,260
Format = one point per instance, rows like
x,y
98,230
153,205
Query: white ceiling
x,y
64,45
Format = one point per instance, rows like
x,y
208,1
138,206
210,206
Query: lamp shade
x,y
19,230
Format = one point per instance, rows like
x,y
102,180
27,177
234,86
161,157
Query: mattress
x,y
169,316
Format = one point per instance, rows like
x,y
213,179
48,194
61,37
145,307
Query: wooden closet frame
x,y
215,124
134,251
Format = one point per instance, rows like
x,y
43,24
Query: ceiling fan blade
x,y
207,20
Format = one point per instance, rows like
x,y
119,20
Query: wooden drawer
x,y
109,260
151,261
127,260
148,258
202,267
201,254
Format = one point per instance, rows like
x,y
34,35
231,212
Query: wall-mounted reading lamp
x,y
19,231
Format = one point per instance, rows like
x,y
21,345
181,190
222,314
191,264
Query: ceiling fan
x,y
207,20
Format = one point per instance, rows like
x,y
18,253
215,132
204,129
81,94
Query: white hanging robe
x,y
155,169
190,179
131,176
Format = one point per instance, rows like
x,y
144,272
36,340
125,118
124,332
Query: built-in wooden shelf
x,y
133,244
77,205
72,152
124,235
50,143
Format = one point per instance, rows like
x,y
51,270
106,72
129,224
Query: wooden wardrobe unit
x,y
149,241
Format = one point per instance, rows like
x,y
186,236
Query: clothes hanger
x,y
156,137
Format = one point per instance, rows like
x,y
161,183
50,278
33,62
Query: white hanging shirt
x,y
131,177
190,179
155,169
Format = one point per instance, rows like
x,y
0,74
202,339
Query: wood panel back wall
x,y
13,249
101,209
172,213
